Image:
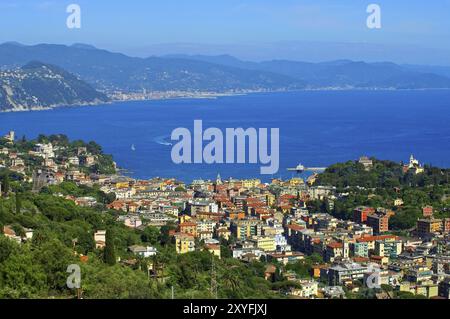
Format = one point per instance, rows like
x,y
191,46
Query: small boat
x,y
299,168
133,148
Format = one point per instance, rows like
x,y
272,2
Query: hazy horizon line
x,y
203,46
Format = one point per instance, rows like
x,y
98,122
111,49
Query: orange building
x,y
189,228
360,214
379,224
235,214
427,211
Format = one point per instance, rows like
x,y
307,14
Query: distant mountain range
x,y
343,73
37,85
107,71
113,71
311,51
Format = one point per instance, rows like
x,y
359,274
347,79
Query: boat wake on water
x,y
163,140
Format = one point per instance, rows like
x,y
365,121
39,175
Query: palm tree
x,y
231,280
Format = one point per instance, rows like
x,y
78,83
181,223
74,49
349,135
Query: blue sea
x,y
317,128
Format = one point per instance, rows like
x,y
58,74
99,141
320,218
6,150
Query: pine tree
x,y
109,252
18,204
5,184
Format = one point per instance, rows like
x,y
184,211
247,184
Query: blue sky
x,y
132,26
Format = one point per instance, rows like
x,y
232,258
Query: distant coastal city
x,y
366,228
146,96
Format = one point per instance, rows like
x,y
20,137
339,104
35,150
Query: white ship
x,y
301,168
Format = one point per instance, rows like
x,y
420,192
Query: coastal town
x,y
290,226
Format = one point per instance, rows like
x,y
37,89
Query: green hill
x,y
37,85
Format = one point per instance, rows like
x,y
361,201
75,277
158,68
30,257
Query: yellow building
x,y
296,181
429,226
428,290
398,202
184,243
270,199
214,249
276,181
122,185
250,183
265,243
312,179
223,232
139,187
162,185
184,218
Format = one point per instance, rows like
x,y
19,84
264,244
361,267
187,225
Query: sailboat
x,y
133,148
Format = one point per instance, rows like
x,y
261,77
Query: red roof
x,y
84,259
287,196
295,227
360,259
188,224
374,238
282,255
8,231
376,257
335,245
256,204
180,234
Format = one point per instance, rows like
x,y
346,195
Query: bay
x,y
317,128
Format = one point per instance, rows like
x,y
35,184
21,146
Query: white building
x,y
45,150
309,289
74,160
143,251
100,239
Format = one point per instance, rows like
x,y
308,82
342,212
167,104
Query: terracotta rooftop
x,y
335,245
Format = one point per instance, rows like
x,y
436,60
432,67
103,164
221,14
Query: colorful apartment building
x,y
345,273
265,243
428,226
361,213
245,229
251,183
184,243
360,249
189,228
379,223
337,250
427,211
387,248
